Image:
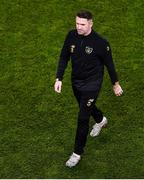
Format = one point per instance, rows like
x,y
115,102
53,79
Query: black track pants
x,y
86,101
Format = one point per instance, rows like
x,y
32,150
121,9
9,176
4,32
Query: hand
x,y
58,86
117,89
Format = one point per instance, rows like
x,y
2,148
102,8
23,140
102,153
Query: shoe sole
x,y
105,125
71,166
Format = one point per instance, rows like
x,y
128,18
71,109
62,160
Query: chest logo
x,y
72,47
88,50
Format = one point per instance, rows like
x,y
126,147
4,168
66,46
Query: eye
x,y
80,24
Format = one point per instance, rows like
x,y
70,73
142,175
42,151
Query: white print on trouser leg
x,y
90,102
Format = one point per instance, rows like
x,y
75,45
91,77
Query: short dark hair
x,y
84,14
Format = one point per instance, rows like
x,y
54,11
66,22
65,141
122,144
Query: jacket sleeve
x,y
108,62
63,59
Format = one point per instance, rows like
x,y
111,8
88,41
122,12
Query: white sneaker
x,y
73,160
98,126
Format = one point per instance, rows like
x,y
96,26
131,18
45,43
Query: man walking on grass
x,y
89,53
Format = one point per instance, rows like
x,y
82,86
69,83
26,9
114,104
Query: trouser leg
x,y
86,104
95,112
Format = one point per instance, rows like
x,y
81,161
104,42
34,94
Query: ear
x,y
91,22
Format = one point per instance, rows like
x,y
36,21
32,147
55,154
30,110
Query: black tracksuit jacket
x,y
88,56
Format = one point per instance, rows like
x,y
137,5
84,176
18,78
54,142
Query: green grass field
x,y
37,126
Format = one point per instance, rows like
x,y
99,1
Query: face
x,y
83,26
